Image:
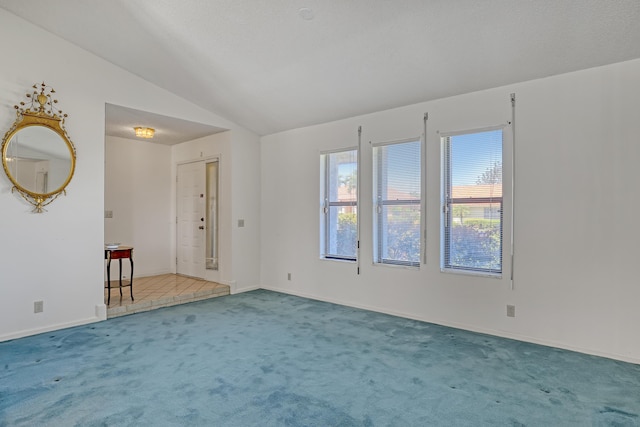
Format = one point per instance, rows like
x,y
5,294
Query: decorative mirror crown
x,y
41,103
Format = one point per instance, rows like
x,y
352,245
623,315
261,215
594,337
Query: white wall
x,y
138,192
57,256
576,228
245,181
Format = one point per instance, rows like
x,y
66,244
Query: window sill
x,y
471,273
400,266
352,261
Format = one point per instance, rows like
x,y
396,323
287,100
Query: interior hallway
x,y
154,292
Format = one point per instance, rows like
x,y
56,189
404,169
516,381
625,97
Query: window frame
x,y
326,204
379,204
447,203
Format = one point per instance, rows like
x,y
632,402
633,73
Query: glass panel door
x,y
211,257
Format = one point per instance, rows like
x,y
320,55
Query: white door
x,y
191,219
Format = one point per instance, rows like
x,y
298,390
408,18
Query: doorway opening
x,y
140,203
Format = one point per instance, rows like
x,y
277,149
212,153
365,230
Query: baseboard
x,y
472,328
139,275
49,328
234,289
246,289
230,283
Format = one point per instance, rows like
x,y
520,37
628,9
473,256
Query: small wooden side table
x,y
120,253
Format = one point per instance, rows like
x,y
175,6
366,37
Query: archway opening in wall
x,y
140,211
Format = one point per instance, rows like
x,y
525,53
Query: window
x,y
472,192
339,219
397,191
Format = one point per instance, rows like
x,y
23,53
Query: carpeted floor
x,y
268,359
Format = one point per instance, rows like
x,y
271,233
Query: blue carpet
x,y
268,359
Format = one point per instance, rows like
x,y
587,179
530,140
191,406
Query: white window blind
x,y
397,197
472,211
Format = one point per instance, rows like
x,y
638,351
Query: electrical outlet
x,y
108,214
38,306
241,223
288,276
511,311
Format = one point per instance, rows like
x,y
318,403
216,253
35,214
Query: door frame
x,y
209,275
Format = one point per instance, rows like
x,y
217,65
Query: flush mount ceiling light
x,y
144,132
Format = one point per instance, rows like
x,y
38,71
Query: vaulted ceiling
x,y
272,65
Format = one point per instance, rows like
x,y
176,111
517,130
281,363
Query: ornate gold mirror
x,y
37,154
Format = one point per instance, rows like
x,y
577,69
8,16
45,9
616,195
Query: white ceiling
x,y
261,64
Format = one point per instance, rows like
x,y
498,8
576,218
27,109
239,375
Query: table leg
x,y
109,279
131,279
120,270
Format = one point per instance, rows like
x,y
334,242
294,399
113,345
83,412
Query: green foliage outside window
x,y
476,244
403,234
403,237
347,233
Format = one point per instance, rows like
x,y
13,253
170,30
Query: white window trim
x,y
324,204
463,271
421,203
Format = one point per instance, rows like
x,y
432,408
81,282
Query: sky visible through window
x,y
472,154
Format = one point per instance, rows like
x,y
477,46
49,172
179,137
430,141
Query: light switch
x,y
108,214
241,223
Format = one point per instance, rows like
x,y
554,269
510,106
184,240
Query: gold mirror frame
x,y
39,110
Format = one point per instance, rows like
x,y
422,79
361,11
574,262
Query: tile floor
x,y
160,291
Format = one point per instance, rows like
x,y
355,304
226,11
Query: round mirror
x,y
37,154
38,160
